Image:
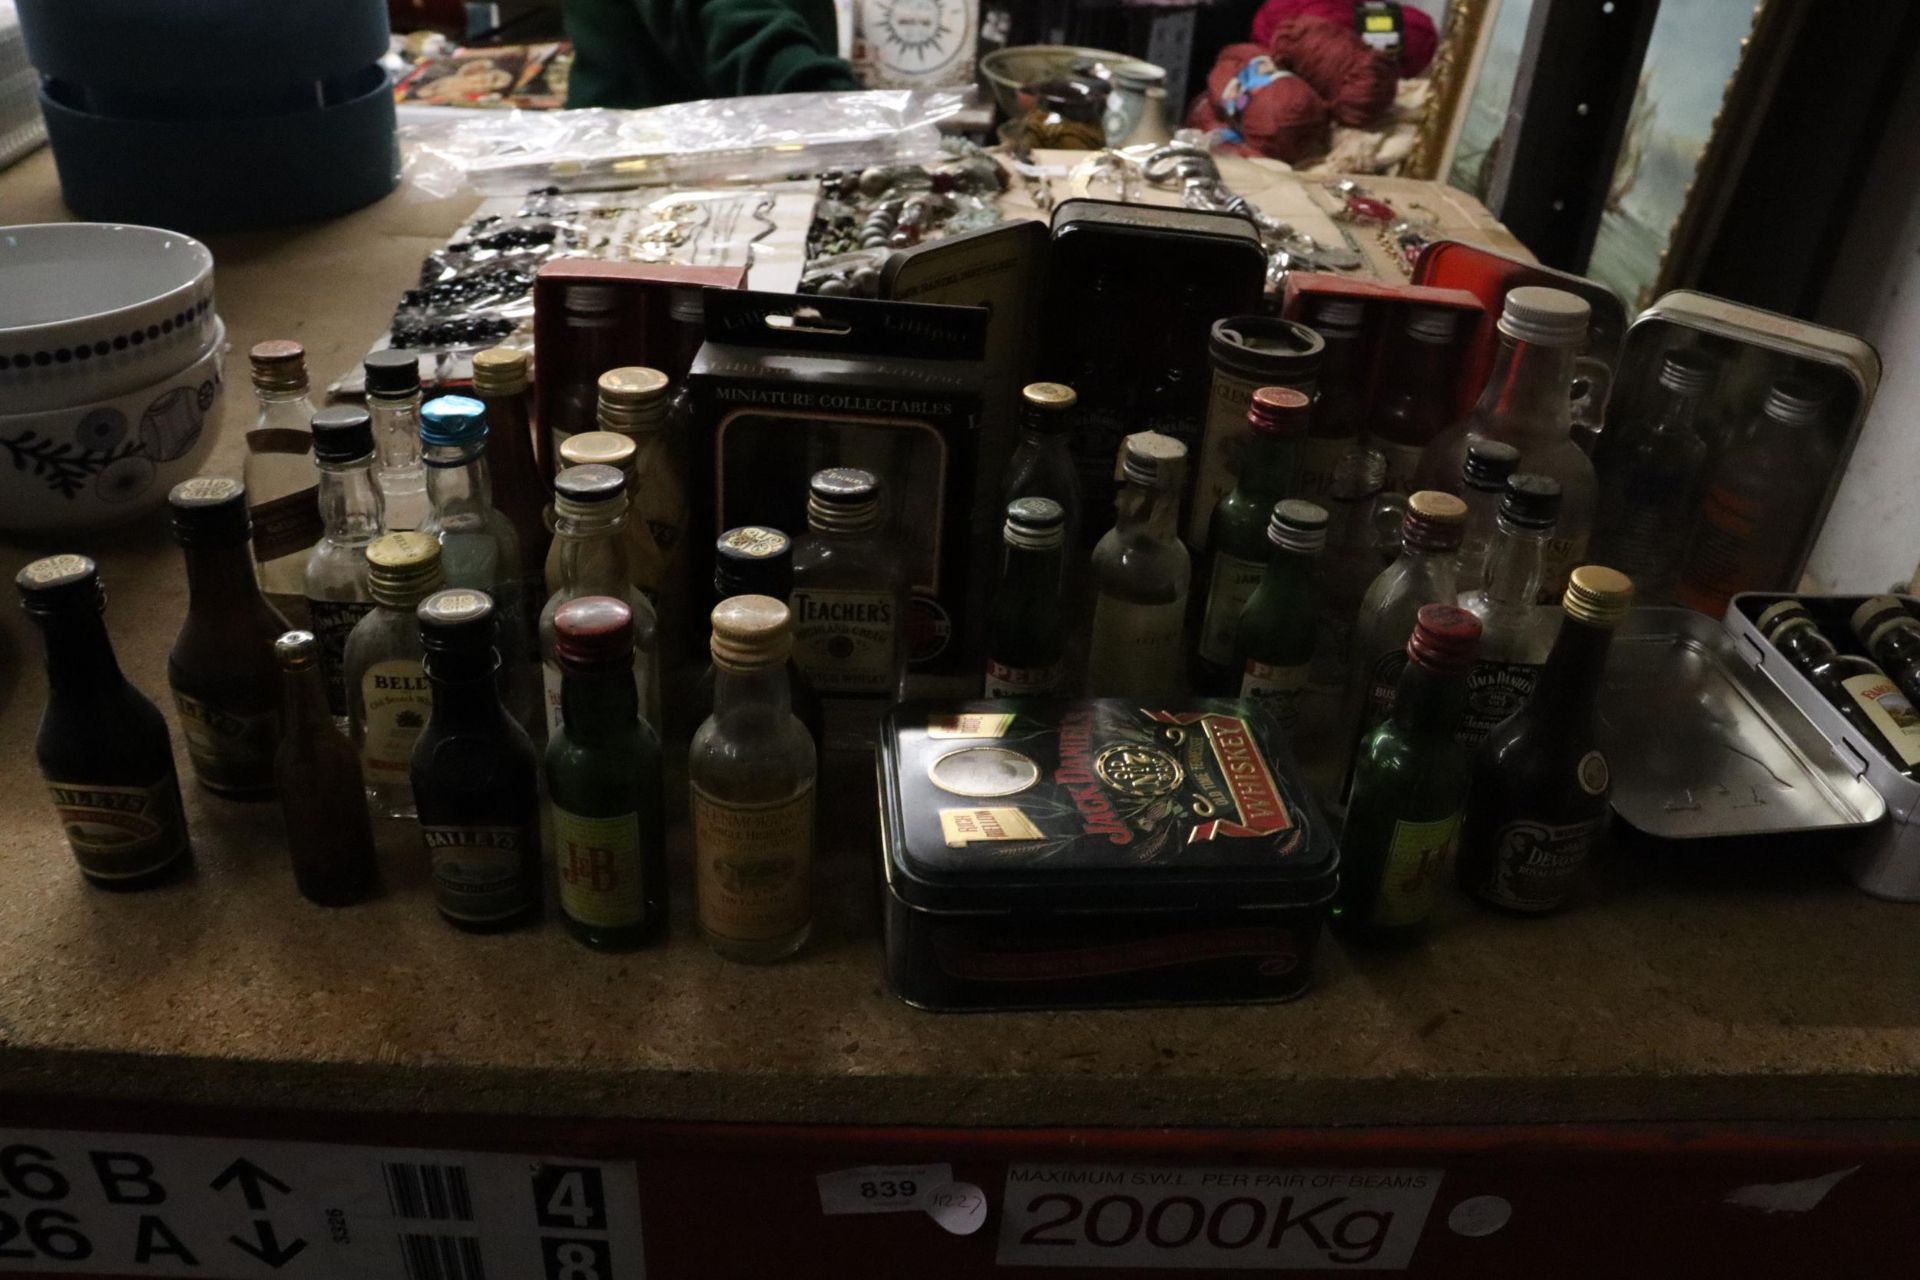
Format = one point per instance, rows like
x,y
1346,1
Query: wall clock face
x,y
919,41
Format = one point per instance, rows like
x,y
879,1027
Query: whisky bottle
x,y
590,513
388,701
1042,463
1892,636
1409,787
1866,697
591,316
1540,781
589,449
102,746
603,781
225,683
1650,479
1237,548
283,490
753,561
1140,577
752,769
1516,634
1340,403
1352,560
849,606
336,583
519,487
1414,403
1274,642
1026,626
1483,480
475,778
634,403
393,403
322,795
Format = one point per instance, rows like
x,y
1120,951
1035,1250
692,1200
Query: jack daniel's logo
x,y
1076,776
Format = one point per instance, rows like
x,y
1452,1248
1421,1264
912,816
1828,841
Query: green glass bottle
x,y
1273,645
1409,786
1026,630
1237,550
603,780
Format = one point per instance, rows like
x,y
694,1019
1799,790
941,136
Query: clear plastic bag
x,y
686,144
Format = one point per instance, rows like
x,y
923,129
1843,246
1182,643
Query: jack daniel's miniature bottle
x,y
1026,632
102,746
1863,693
1141,573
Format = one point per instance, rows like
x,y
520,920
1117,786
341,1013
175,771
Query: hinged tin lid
x,y
998,806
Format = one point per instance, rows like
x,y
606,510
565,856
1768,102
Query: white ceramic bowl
x,y
89,310
105,462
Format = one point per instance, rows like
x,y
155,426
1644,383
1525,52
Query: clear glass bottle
x,y
1274,640
322,796
752,560
1415,401
1866,697
1141,575
478,547
591,315
1526,404
634,403
1483,479
590,511
1516,633
1340,404
1761,497
590,449
283,489
393,403
1042,463
337,592
1350,563
1026,623
520,491
752,767
1650,472
388,701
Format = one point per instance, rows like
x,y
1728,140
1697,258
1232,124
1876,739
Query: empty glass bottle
x,y
1274,641
634,403
753,561
592,449
1416,385
1892,636
1026,625
1482,480
1350,563
337,592
388,700
1141,574
283,490
849,606
591,316
1340,406
519,487
322,795
590,511
1042,465
1866,697
393,404
1516,634
1650,480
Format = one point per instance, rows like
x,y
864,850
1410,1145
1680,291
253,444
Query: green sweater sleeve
x,y
638,53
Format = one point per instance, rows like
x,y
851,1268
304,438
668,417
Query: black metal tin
x,y
1074,854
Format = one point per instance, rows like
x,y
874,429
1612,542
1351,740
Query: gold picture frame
x,y
1455,64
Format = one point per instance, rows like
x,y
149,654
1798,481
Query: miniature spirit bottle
x,y
337,592
1340,405
1415,400
603,781
1650,480
591,449
1237,548
1409,787
388,701
102,746
1026,626
1540,780
322,795
1140,578
1526,404
1274,641
752,768
1352,560
225,683
283,490
1516,634
393,403
1892,636
1866,697
754,561
849,606
475,777
591,316
634,403
1042,464
590,511
1483,479
519,486
1424,574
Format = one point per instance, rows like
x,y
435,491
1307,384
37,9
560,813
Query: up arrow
x,y
253,1182
266,1246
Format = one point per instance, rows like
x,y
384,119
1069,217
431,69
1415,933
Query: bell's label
x,y
230,751
1004,681
963,827
1534,863
846,641
1890,713
118,832
1276,688
1417,857
480,872
1495,691
1253,790
1136,648
970,724
753,865
1233,584
599,863
285,525
398,703
332,622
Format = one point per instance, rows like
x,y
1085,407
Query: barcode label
x,y
436,1192
441,1257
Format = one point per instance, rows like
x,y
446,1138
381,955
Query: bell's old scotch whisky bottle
x,y
1274,643
1237,546
475,778
1409,786
752,768
103,747
322,796
1026,629
1540,781
753,561
337,592
388,700
849,606
225,683
590,513
1141,574
1892,636
603,778
1516,633
393,405
283,490
1864,694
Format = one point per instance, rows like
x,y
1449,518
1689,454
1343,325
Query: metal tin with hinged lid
x,y
1048,854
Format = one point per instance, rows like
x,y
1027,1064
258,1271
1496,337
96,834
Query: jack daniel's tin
x,y
1062,854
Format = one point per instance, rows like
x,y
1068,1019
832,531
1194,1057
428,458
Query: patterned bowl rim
x,y
160,311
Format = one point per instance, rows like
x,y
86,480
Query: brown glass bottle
x,y
1892,636
322,795
519,487
103,747
225,683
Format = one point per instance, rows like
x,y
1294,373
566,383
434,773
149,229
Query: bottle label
x,y
479,873
660,507
398,703
332,622
1233,585
229,752
753,865
1559,557
286,525
1890,713
598,860
1721,561
285,440
1534,863
1495,690
119,832
1004,681
1136,648
1402,461
1383,677
1315,460
846,641
1276,688
1222,445
550,687
1417,856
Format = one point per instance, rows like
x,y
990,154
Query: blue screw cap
x,y
453,420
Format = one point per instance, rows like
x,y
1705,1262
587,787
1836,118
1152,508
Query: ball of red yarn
x,y
1357,82
1419,38
1276,114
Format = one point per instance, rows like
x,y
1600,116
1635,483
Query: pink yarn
x,y
1420,39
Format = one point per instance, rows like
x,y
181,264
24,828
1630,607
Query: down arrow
x,y
268,1249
